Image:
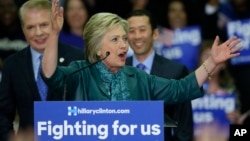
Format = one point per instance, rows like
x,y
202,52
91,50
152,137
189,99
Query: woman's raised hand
x,y
227,50
56,17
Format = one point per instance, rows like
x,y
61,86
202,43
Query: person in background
x,y
11,36
221,85
232,10
139,4
142,33
76,15
21,83
27,135
238,11
178,14
209,10
179,38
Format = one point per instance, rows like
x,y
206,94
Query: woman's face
x,y
77,14
115,42
176,15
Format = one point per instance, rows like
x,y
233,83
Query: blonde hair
x,y
95,29
31,4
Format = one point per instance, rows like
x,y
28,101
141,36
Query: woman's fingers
x,y
234,46
229,41
235,50
54,6
234,43
56,16
216,41
61,12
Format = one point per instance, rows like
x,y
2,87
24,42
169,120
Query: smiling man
x,y
141,36
19,87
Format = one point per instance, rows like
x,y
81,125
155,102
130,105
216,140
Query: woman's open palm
x,y
227,50
56,17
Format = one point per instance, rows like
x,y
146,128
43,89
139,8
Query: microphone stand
x,y
74,72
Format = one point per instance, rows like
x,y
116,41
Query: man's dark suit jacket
x,y
181,113
18,88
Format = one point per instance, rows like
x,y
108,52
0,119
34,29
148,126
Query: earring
x,y
98,53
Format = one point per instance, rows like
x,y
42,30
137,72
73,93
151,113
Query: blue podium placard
x,y
99,120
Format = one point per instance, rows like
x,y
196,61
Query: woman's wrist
x,y
210,74
209,65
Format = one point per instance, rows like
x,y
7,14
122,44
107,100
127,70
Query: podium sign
x,y
99,120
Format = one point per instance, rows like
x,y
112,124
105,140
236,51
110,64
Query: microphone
x,y
74,72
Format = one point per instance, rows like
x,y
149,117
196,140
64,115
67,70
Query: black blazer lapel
x,y
67,54
129,61
156,66
26,69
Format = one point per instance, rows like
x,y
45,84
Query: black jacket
x,y
18,88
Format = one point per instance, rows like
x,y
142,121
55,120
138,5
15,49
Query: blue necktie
x,y
141,66
42,87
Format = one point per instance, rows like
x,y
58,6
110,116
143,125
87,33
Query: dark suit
x,y
182,113
18,88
